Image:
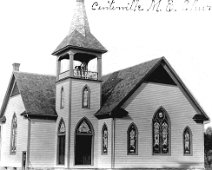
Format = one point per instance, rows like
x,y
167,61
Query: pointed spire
x,y
80,20
79,36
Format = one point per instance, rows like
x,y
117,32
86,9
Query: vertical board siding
x,y
77,113
42,143
62,113
141,107
104,161
15,105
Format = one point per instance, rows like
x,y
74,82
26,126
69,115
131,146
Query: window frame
x,y
103,129
132,125
166,119
187,128
13,127
88,97
62,102
59,134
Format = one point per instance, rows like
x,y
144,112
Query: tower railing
x,y
64,74
82,74
85,74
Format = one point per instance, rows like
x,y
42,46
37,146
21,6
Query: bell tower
x,y
78,79
79,45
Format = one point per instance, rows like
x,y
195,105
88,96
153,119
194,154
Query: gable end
x,y
7,96
160,72
160,75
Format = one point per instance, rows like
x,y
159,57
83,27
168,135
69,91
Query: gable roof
x,y
120,85
37,92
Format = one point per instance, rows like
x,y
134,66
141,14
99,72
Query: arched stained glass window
x,y
84,128
187,139
61,143
161,125
86,97
132,137
104,139
13,134
62,100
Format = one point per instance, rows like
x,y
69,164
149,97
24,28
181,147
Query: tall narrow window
x,y
104,139
86,97
132,137
187,139
13,134
160,126
61,143
62,98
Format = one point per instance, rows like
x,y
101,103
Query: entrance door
x,y
84,143
83,150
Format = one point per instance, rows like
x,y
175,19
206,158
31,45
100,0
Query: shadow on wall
x,y
183,166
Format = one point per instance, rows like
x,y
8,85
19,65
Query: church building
x,y
139,117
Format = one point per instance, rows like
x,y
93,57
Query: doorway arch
x,y
84,139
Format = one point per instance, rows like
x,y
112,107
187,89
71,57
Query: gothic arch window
x,y
187,141
86,97
61,135
132,139
161,132
84,140
13,134
62,99
104,139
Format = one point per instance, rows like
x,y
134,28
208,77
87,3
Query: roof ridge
x,y
159,58
38,74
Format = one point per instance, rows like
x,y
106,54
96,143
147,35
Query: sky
x,y
30,30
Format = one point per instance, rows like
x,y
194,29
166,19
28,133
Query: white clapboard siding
x,y
42,143
77,113
141,107
15,105
104,160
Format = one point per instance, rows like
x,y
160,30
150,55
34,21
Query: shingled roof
x,y
80,36
118,85
38,91
38,94
77,40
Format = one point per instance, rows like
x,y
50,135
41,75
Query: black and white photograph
x,y
105,84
